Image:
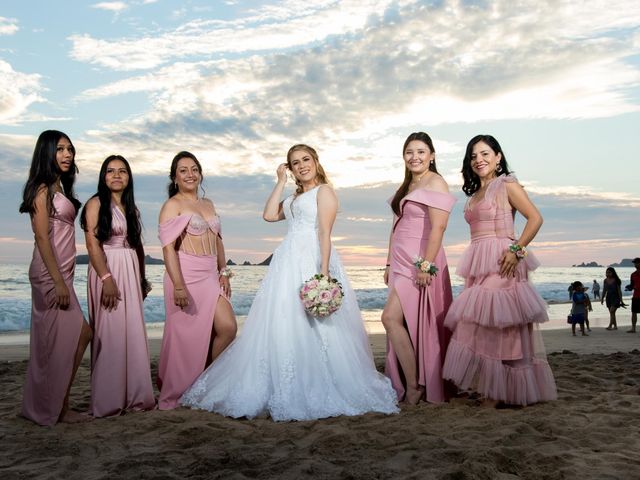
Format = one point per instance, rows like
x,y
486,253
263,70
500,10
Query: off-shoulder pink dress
x,y
54,332
424,309
496,348
120,373
187,332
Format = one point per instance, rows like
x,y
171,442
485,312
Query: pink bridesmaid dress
x,y
496,348
187,332
424,309
120,372
54,332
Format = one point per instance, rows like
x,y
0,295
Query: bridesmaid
x,y
59,334
496,349
419,289
200,322
120,373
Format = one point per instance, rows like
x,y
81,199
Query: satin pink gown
x,y
496,348
54,332
424,309
120,372
187,332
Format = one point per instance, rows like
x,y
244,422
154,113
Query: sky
x,y
238,82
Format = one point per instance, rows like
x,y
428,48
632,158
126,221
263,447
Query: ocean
x,y
15,291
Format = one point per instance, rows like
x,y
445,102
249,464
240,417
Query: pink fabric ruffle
x,y
491,305
495,379
481,258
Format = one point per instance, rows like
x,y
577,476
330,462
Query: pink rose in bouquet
x,y
321,296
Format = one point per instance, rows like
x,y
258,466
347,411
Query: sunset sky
x,y
238,82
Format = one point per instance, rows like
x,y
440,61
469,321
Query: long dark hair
x,y
471,181
44,171
321,176
131,213
404,188
615,275
172,188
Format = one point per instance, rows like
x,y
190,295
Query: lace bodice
x,y
301,211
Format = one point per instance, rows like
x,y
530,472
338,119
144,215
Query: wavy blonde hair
x,y
321,176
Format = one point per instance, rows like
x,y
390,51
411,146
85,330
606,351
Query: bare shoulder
x,y
326,192
170,209
438,184
93,205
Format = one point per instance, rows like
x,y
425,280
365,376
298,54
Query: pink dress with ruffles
x,y
424,309
54,332
120,373
187,332
496,348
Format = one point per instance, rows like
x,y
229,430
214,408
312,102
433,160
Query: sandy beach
x,y
591,432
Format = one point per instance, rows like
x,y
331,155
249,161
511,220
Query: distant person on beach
x,y
200,322
116,287
570,290
595,289
612,295
288,363
59,334
578,308
497,349
419,290
635,299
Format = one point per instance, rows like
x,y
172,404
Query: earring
x,y
499,169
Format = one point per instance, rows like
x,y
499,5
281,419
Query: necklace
x,y
419,178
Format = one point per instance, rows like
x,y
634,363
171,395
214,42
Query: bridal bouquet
x,y
321,295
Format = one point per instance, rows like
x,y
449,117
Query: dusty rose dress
x,y
120,373
187,332
496,348
424,309
54,332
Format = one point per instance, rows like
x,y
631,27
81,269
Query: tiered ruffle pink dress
x,y
496,348
187,332
424,309
120,373
54,332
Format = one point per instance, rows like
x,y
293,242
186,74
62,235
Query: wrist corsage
x,y
425,266
519,250
226,272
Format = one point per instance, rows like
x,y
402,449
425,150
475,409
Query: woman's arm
x,y
40,226
225,283
327,210
144,283
273,207
110,293
171,261
439,220
519,200
387,266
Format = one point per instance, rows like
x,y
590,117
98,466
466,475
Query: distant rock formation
x,y
267,260
590,264
148,260
230,262
625,262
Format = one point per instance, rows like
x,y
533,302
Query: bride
x,y
286,363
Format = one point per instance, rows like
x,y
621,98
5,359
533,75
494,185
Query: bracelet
x,y
105,276
226,272
425,266
519,250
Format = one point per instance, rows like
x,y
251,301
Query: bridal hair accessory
x,y
425,266
321,295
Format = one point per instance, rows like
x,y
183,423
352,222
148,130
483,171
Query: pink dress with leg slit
x,y
424,309
187,332
54,332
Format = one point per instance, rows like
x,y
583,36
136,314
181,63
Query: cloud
x,y
8,26
18,91
116,7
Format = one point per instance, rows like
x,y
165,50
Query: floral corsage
x,y
321,296
425,266
519,250
226,272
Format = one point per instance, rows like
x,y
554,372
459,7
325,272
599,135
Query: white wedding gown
x,y
286,363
